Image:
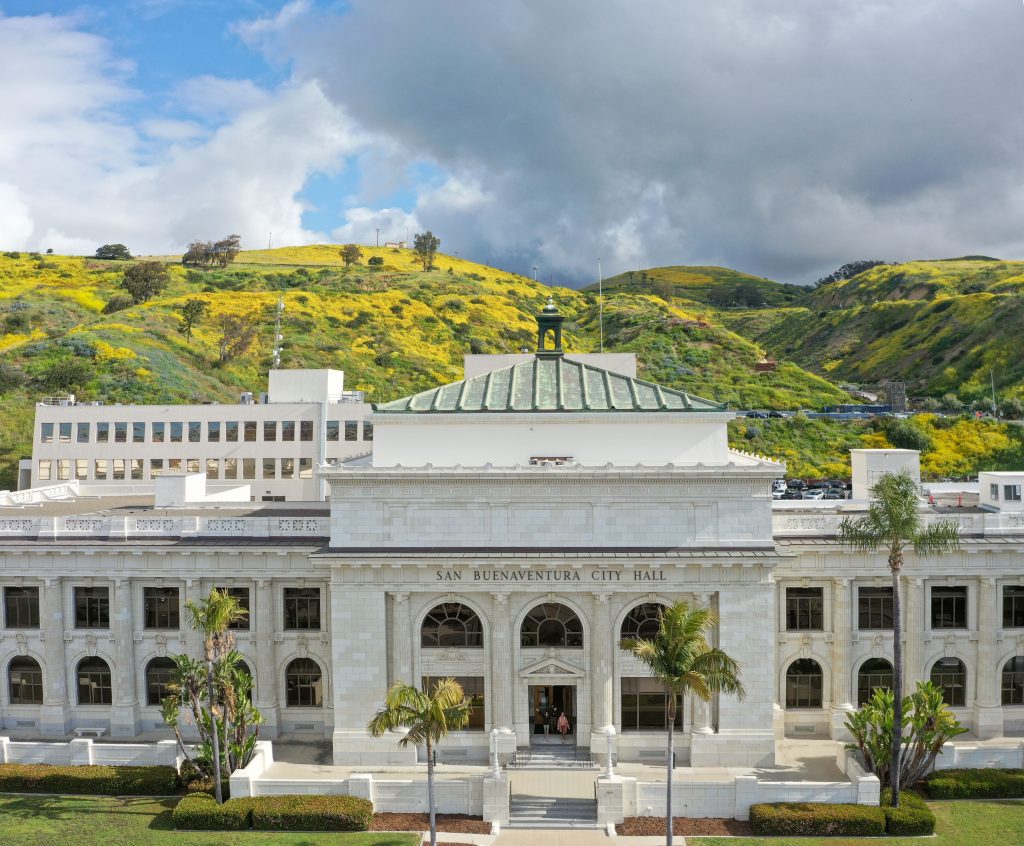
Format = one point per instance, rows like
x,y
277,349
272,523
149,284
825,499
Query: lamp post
x,y
609,735
496,767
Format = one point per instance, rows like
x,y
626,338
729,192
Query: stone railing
x,y
84,751
127,528
824,521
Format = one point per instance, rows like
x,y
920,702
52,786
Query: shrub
x,y
17,321
913,818
118,302
377,261
975,784
811,819
311,813
90,780
200,811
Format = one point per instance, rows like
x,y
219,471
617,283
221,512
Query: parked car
x,y
796,484
792,494
814,493
759,415
834,493
776,414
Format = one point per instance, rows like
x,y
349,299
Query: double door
x,y
547,703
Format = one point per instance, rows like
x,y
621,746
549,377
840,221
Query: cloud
x,y
778,137
75,173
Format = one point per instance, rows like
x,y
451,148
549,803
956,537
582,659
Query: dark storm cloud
x,y
782,138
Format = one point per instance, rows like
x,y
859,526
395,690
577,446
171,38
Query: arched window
x,y
873,674
304,684
643,622
26,681
803,684
1013,681
451,624
552,624
951,675
93,682
160,674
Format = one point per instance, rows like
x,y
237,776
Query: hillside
x,y
393,329
718,286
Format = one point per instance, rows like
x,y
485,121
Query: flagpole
x,y
600,302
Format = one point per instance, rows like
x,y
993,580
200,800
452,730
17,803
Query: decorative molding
x,y
228,525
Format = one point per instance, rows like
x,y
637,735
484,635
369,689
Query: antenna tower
x,y
278,336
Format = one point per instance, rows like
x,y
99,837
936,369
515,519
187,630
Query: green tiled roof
x,y
548,383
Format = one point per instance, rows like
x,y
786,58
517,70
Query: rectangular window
x,y
305,430
174,465
333,428
83,433
351,430
120,433
99,469
231,431
993,491
63,469
46,433
44,470
287,430
248,468
158,432
138,433
643,705
176,432
21,607
92,608
270,430
81,469
102,433
269,468
302,608
161,607
65,433
136,466
949,608
874,608
212,468
1011,493
156,467
287,468
249,430
367,430
118,465
242,595
213,431
804,609
230,468
195,432
305,468
192,465
473,687
1013,607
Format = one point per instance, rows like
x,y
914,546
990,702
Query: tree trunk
x,y
430,794
215,739
670,765
897,679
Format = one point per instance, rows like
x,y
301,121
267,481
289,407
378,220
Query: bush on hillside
x,y
91,780
11,377
376,261
975,784
17,322
113,252
812,819
145,280
118,302
66,375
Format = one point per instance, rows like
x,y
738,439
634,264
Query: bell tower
x,y
549,321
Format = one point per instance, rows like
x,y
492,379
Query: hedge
x,y
311,813
274,813
975,784
201,811
96,780
816,819
913,818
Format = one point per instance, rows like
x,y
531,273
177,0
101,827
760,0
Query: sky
x,y
779,137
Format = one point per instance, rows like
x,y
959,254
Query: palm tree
x,y
428,715
894,523
212,617
680,657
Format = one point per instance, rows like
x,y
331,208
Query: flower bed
x,y
452,823
683,826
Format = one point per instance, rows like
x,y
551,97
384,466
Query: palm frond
x,y
943,536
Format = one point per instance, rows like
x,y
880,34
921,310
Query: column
x,y
602,716
988,711
502,672
54,717
700,711
262,631
913,634
841,685
125,713
402,640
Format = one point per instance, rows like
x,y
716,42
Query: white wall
x,y
1000,480
869,465
85,751
305,385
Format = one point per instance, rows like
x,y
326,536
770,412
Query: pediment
x,y
550,666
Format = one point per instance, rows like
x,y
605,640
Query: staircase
x,y
546,812
553,757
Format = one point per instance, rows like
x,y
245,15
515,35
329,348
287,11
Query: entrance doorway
x,y
547,703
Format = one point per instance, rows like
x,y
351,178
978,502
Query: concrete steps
x,y
547,812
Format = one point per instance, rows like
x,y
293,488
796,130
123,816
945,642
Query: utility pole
x,y
535,273
270,240
278,336
378,236
600,301
992,377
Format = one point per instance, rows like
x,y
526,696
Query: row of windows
x,y
161,607
68,469
804,681
805,608
232,431
303,682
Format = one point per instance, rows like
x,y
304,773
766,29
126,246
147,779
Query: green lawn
x,y
997,823
103,821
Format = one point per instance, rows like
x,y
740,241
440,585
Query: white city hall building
x,y
508,530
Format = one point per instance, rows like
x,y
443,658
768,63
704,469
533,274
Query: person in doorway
x,y
563,725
